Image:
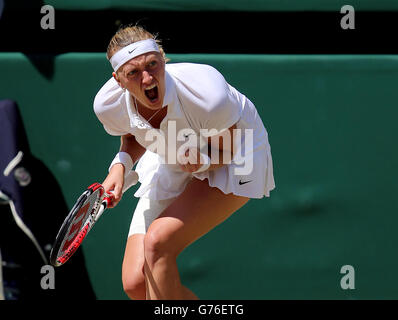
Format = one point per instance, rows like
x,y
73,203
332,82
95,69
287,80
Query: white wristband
x,y
125,159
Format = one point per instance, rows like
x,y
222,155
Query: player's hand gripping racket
x,y
84,214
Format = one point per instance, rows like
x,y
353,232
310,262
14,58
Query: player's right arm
x,y
115,179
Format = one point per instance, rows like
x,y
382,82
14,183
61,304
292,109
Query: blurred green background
x,y
332,123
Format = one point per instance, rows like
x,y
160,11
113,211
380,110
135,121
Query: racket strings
x,y
87,209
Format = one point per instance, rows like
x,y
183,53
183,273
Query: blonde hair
x,y
129,34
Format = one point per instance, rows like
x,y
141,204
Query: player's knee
x,y
157,244
134,286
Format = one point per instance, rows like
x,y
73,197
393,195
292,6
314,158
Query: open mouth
x,y
152,93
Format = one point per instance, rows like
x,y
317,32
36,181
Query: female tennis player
x,y
200,148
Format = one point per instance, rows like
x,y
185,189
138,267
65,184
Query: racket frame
x,y
102,202
105,199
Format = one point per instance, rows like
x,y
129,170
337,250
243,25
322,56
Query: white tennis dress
x,y
198,97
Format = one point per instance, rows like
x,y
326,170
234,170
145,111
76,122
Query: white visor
x,y
131,51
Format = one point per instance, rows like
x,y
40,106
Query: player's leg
x,y
194,213
133,268
133,279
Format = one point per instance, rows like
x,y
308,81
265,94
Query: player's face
x,y
143,77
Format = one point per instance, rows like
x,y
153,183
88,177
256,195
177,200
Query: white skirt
x,y
250,173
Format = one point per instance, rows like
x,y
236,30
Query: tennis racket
x,y
84,214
